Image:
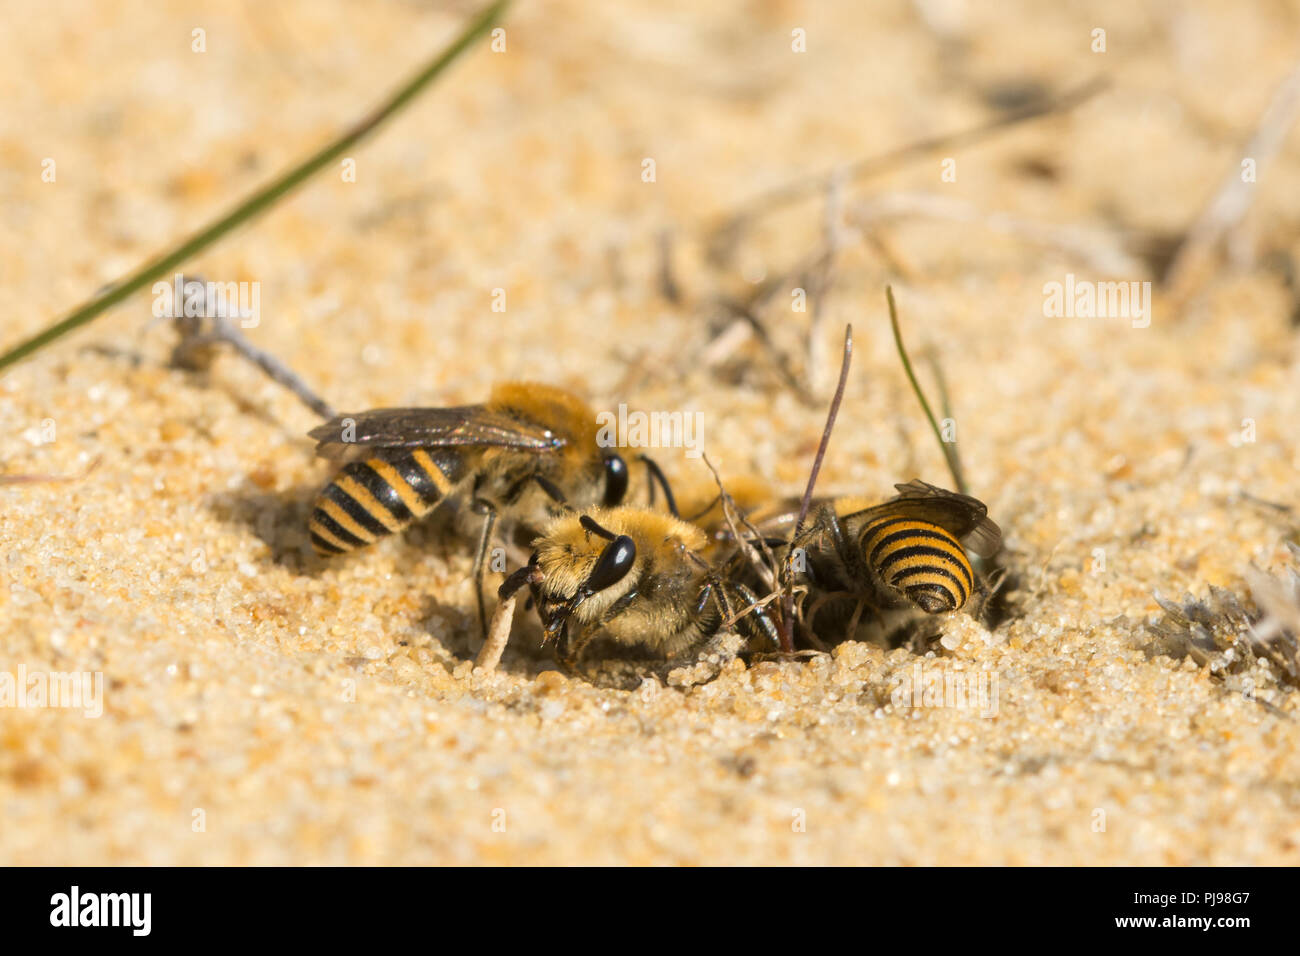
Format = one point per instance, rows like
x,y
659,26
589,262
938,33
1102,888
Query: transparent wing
x,y
966,518
341,437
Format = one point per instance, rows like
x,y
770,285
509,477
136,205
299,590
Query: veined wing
x,y
964,517
343,436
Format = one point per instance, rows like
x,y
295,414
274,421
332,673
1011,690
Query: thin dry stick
x,y
489,654
787,605
260,201
780,361
1096,249
833,227
726,232
1234,196
196,335
757,605
729,515
949,452
668,286
49,479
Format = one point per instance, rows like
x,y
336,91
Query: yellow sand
x,y
263,707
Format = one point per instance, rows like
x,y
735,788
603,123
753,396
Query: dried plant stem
x,y
1234,196
198,335
723,236
1095,249
787,604
489,654
765,564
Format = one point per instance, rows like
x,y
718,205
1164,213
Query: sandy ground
x,y
261,706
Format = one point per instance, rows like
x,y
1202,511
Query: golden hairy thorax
x,y
564,413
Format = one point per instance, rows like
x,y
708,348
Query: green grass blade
x,y
949,452
261,200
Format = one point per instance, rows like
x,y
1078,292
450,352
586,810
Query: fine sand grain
x,y
261,706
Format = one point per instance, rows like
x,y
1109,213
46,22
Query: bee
x,y
523,456
635,577
907,551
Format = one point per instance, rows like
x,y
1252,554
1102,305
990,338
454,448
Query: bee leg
x,y
823,598
480,561
568,649
850,556
619,606
985,590
755,624
853,621
548,486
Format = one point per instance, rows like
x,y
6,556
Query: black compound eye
x,y
613,565
615,480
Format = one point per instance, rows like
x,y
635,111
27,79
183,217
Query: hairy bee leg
x,y
621,605
569,649
822,522
985,590
822,600
849,556
854,620
756,624
480,561
548,486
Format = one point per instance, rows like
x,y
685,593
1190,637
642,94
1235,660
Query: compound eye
x,y
615,480
613,565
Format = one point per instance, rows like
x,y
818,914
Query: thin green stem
x,y
261,200
949,453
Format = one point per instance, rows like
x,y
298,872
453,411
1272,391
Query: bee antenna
x,y
657,477
787,603
588,522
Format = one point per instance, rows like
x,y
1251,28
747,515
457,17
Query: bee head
x,y
557,604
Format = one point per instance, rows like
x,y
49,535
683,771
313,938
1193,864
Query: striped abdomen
x,y
920,559
378,496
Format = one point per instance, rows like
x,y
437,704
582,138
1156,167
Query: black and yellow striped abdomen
x,y
377,496
920,559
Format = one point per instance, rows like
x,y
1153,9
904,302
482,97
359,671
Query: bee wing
x,y
341,437
965,517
